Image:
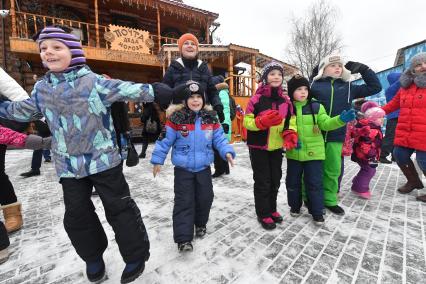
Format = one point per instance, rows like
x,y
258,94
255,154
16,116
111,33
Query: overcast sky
x,y
372,30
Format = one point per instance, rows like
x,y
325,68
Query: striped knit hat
x,y
64,35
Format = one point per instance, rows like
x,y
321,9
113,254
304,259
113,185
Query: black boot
x,y
217,174
185,246
200,231
30,173
422,197
336,209
413,179
143,153
133,270
383,160
95,270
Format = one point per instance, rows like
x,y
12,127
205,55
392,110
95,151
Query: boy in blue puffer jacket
x,y
77,106
333,89
193,130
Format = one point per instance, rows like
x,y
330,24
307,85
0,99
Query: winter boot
x,y
30,173
295,212
200,231
277,217
318,220
143,153
132,271
336,209
185,246
4,255
267,223
413,179
422,197
95,270
217,173
12,217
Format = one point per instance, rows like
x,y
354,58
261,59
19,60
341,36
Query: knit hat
x,y
273,65
417,59
64,35
188,89
373,112
330,59
295,82
185,37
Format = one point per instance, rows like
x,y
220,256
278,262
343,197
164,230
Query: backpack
x,y
232,107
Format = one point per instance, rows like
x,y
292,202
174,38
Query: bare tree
x,y
313,36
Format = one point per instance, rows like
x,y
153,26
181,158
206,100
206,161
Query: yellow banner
x,y
128,39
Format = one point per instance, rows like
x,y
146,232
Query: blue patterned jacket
x,y
192,136
76,106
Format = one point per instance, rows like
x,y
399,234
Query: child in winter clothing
x,y
13,138
264,119
193,130
332,88
410,133
306,160
76,104
367,136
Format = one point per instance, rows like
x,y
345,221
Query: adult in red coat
x,y
410,134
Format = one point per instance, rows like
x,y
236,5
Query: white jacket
x,y
10,88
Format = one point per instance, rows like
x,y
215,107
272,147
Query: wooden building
x,y
126,39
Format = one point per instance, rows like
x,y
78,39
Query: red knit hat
x,y
186,37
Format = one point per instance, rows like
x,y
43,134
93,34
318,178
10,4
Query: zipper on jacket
x,y
331,106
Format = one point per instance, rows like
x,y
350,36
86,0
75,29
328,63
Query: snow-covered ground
x,y
377,241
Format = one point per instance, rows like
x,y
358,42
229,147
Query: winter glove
x,y
225,128
35,142
163,94
219,111
356,67
290,139
347,115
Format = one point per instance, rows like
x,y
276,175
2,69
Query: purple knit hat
x,y
67,38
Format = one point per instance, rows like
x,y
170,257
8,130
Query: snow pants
x,y
83,226
361,182
7,192
332,168
193,200
4,238
267,175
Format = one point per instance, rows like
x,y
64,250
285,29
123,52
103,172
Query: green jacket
x,y
224,98
312,142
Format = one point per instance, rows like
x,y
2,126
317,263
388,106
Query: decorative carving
x,y
128,39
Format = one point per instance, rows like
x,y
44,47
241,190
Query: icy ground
x,y
377,241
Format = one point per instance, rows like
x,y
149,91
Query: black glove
x,y
180,93
356,67
163,94
225,128
314,73
219,110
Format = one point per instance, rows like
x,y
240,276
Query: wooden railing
x,y
28,24
242,86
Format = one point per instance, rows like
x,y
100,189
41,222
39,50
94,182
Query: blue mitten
x,y
348,115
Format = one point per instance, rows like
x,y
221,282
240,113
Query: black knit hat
x,y
188,89
295,82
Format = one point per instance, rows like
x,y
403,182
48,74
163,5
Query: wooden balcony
x,y
96,47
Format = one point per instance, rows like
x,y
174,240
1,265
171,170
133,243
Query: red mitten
x,y
290,139
272,118
259,123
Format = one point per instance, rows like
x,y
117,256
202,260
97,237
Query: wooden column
x,y
208,32
231,72
158,29
97,23
13,16
253,74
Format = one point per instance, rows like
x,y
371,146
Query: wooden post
x,y
208,32
231,72
169,58
158,29
13,16
253,74
97,23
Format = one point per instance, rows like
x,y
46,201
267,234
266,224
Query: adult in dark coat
x,y
189,67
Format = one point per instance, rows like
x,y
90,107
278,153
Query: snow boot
x,y
30,173
200,231
277,217
318,220
95,270
185,246
294,212
132,271
12,217
336,209
413,179
267,223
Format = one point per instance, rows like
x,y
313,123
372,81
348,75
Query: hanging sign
x,y
128,39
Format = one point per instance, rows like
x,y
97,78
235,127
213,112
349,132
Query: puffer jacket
x,y
10,88
367,141
312,142
336,95
411,127
178,73
12,138
77,108
265,99
192,136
